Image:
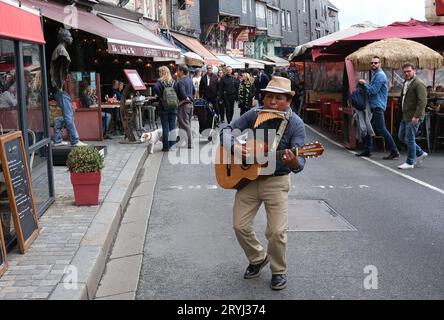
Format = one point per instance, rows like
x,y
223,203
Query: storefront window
x,y
33,92
38,164
324,77
9,115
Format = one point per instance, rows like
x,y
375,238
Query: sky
x,y
381,12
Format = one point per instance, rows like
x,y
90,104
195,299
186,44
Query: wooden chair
x,y
336,119
326,118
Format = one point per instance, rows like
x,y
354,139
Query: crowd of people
x,y
221,90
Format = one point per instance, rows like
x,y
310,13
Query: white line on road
x,y
422,183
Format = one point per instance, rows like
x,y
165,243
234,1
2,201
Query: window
x,y
270,17
318,33
316,14
304,8
244,6
283,20
306,29
260,11
289,26
276,17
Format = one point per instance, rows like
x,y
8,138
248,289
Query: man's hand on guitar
x,y
290,160
241,149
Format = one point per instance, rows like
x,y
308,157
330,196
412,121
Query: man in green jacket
x,y
413,103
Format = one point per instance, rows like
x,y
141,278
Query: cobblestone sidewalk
x,y
36,274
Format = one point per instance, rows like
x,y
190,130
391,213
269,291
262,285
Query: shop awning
x,y
119,41
251,63
266,63
332,38
140,30
195,46
278,61
20,23
229,61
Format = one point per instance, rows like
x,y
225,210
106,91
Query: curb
x,y
81,282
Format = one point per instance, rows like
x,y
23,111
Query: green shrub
x,y
84,159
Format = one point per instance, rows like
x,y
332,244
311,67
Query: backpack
x,y
169,97
358,98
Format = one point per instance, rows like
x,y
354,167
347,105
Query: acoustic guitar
x,y
234,173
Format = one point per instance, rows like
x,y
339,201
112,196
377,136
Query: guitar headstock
x,y
311,150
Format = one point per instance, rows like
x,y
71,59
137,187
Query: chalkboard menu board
x,y
3,262
18,183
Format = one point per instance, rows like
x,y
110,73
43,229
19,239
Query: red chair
x,y
326,118
336,119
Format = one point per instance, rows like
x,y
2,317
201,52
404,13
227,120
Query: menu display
x,y
18,182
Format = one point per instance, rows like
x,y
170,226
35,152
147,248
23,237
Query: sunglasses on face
x,y
374,63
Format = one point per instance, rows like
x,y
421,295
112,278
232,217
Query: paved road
x,y
191,251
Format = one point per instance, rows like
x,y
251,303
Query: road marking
x,y
422,183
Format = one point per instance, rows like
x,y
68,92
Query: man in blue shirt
x,y
271,189
377,91
185,93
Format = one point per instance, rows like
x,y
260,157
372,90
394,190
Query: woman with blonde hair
x,y
246,93
167,110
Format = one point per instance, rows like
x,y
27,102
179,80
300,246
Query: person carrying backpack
x,y
165,90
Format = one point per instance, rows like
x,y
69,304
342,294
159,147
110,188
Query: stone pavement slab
x,y
75,241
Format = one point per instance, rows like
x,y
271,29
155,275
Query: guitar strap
x,y
281,130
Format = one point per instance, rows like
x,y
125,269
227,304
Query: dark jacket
x,y
208,92
185,90
229,88
246,94
260,83
415,100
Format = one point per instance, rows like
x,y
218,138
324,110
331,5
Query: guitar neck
x,y
280,153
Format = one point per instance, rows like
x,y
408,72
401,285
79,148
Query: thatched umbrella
x,y
394,53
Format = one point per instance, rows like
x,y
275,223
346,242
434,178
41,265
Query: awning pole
x,y
434,79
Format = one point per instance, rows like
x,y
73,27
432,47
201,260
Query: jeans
x,y
106,121
168,120
64,101
407,134
380,129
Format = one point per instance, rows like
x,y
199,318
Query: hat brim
x,y
278,90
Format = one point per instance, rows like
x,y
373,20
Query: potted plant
x,y
85,164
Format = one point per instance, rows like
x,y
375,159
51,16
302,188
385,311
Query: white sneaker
x,y
406,166
421,158
60,144
79,144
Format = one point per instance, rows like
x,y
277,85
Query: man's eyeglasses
x,y
374,62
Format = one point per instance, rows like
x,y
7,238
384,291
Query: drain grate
x,y
315,216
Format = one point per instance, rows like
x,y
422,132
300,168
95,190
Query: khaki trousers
x,y
273,191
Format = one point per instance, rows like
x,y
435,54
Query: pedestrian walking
x,y
208,87
377,91
261,80
185,93
272,190
196,82
168,105
220,101
413,102
229,92
246,93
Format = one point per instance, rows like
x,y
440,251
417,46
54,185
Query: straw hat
x,y
279,85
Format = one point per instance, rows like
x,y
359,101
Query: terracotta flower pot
x,y
86,188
